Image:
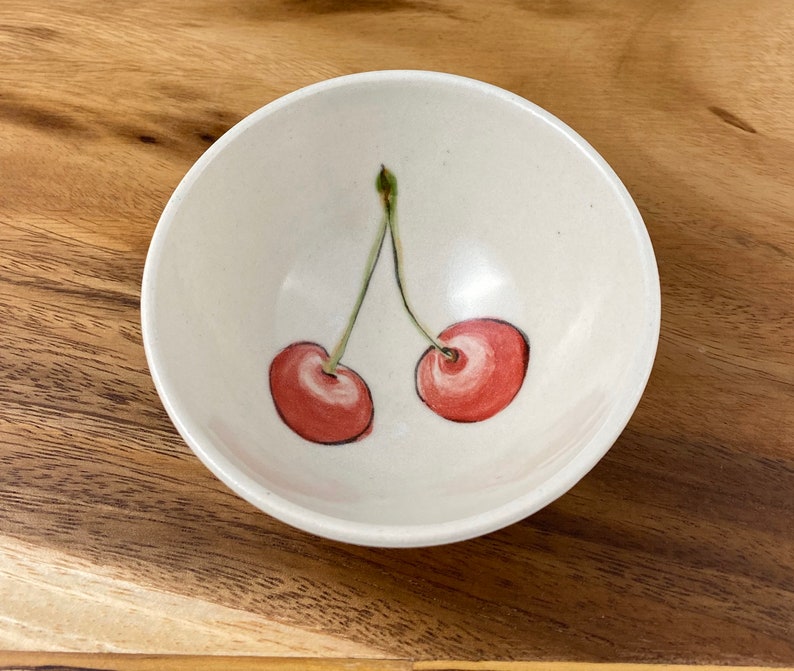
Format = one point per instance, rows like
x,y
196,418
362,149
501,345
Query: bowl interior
x,y
504,212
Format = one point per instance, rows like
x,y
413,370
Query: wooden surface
x,y
678,547
49,661
60,661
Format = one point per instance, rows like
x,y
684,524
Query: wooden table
x,y
678,547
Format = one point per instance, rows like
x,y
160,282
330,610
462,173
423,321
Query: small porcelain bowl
x,y
499,281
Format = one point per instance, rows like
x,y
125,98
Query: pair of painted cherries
x,y
471,370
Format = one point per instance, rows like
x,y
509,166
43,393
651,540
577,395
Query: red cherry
x,y
331,409
487,368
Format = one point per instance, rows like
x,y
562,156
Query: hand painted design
x,y
470,372
484,375
328,408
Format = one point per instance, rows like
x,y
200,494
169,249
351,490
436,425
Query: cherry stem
x,y
338,352
387,186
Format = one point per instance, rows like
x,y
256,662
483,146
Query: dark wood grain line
x,y
321,7
91,294
54,667
37,116
29,31
731,119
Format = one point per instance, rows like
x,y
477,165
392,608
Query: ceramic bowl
x,y
523,258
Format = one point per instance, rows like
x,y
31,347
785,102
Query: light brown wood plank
x,y
22,661
25,661
441,665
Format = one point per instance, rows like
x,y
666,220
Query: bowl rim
x,y
419,535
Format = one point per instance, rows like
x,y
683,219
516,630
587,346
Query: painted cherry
x,y
329,408
474,368
485,371
315,395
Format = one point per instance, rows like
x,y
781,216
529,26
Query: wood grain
x,y
28,661
678,547
36,661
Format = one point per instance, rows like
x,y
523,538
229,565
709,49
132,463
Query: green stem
x,y
387,185
330,365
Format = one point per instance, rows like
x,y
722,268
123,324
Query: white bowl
x,y
504,212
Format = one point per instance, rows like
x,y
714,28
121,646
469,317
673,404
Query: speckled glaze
x,y
505,213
